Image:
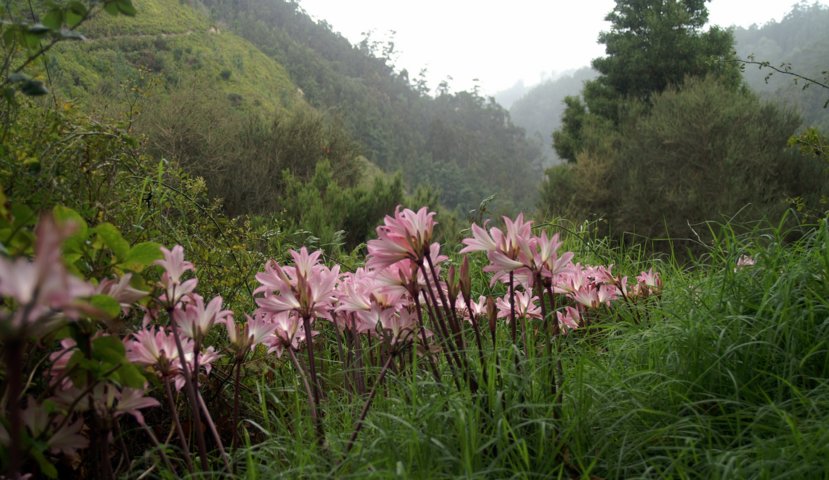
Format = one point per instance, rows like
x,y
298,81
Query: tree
x,y
651,45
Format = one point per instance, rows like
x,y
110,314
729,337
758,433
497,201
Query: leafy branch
x,y
786,69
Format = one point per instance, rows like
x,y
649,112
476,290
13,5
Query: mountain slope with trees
x,y
798,43
460,143
539,110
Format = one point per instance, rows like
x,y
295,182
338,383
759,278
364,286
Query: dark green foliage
x,y
703,152
568,140
653,44
65,158
242,155
336,216
706,152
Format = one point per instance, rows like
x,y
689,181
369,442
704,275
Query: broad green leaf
x,y
77,8
131,376
8,95
46,467
65,214
106,304
54,19
111,8
76,12
141,255
10,35
109,349
126,7
112,238
23,215
31,40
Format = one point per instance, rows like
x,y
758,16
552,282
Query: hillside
x,y
799,43
176,44
461,144
539,110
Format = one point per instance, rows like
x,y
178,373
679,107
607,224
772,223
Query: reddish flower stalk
x,y
558,376
312,369
448,339
371,395
191,395
180,431
513,326
426,351
215,432
14,368
454,341
476,328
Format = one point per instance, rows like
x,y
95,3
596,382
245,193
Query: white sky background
x,y
501,42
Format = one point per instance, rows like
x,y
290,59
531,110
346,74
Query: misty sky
x,y
501,42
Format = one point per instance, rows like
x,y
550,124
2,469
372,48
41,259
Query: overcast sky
x,y
500,42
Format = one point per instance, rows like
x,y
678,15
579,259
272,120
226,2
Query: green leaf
x,y
112,238
106,304
131,376
10,34
111,8
54,19
126,7
109,349
31,40
65,214
46,467
8,95
141,255
75,14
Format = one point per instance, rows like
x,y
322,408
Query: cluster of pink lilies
x,y
400,300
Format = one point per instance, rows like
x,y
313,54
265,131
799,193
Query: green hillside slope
x,y
462,144
177,44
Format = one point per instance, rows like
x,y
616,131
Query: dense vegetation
x,y
328,331
460,143
658,158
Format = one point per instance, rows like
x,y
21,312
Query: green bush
x,y
703,152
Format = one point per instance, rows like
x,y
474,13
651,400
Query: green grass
x,y
725,377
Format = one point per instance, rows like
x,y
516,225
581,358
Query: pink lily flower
x,y
174,267
41,287
568,319
407,235
524,306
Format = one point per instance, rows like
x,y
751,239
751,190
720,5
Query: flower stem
x,y
14,369
237,380
191,395
311,404
212,426
174,411
367,405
